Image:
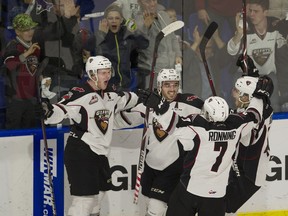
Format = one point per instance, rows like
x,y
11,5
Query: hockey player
x,y
164,155
215,136
91,109
253,154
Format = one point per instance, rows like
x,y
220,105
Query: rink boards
x,y
25,190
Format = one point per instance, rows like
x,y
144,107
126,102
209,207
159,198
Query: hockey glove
x,y
148,98
251,68
264,89
43,110
162,107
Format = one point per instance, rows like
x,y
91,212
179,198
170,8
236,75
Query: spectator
x,y
130,8
21,59
117,43
219,11
151,21
194,74
84,46
265,45
181,34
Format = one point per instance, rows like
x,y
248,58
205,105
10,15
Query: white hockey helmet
x,y
167,75
215,109
246,85
94,63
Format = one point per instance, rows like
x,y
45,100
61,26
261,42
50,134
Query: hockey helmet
x,y
246,85
215,109
167,75
94,63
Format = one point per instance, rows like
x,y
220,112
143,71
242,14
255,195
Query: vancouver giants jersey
x,y
92,113
163,149
22,71
261,48
262,51
207,165
254,159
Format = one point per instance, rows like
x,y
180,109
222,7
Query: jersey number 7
x,y
221,147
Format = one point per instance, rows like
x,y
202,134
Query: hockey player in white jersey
x,y
252,156
164,155
91,109
215,136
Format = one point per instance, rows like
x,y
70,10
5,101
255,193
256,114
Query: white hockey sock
x,y
81,206
156,208
97,204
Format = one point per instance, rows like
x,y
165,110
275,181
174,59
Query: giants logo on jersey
x,y
261,55
31,64
158,132
102,120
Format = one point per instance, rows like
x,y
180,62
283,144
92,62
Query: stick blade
x,y
207,35
172,27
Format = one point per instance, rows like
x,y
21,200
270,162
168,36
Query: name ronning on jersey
x,y
221,135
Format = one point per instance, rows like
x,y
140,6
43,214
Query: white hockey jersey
x,y
261,50
207,165
163,149
254,150
92,113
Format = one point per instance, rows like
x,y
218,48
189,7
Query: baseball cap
x,y
23,22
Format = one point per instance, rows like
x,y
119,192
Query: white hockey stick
x,y
40,69
206,37
163,33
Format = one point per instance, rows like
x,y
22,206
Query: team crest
x,y
159,133
261,55
102,120
32,64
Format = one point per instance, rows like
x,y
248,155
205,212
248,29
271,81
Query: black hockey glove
x,y
162,107
148,98
251,68
43,110
264,89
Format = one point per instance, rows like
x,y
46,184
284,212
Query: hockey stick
x,y
163,33
244,18
206,37
40,69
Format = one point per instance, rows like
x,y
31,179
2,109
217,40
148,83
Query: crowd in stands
x,y
66,33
